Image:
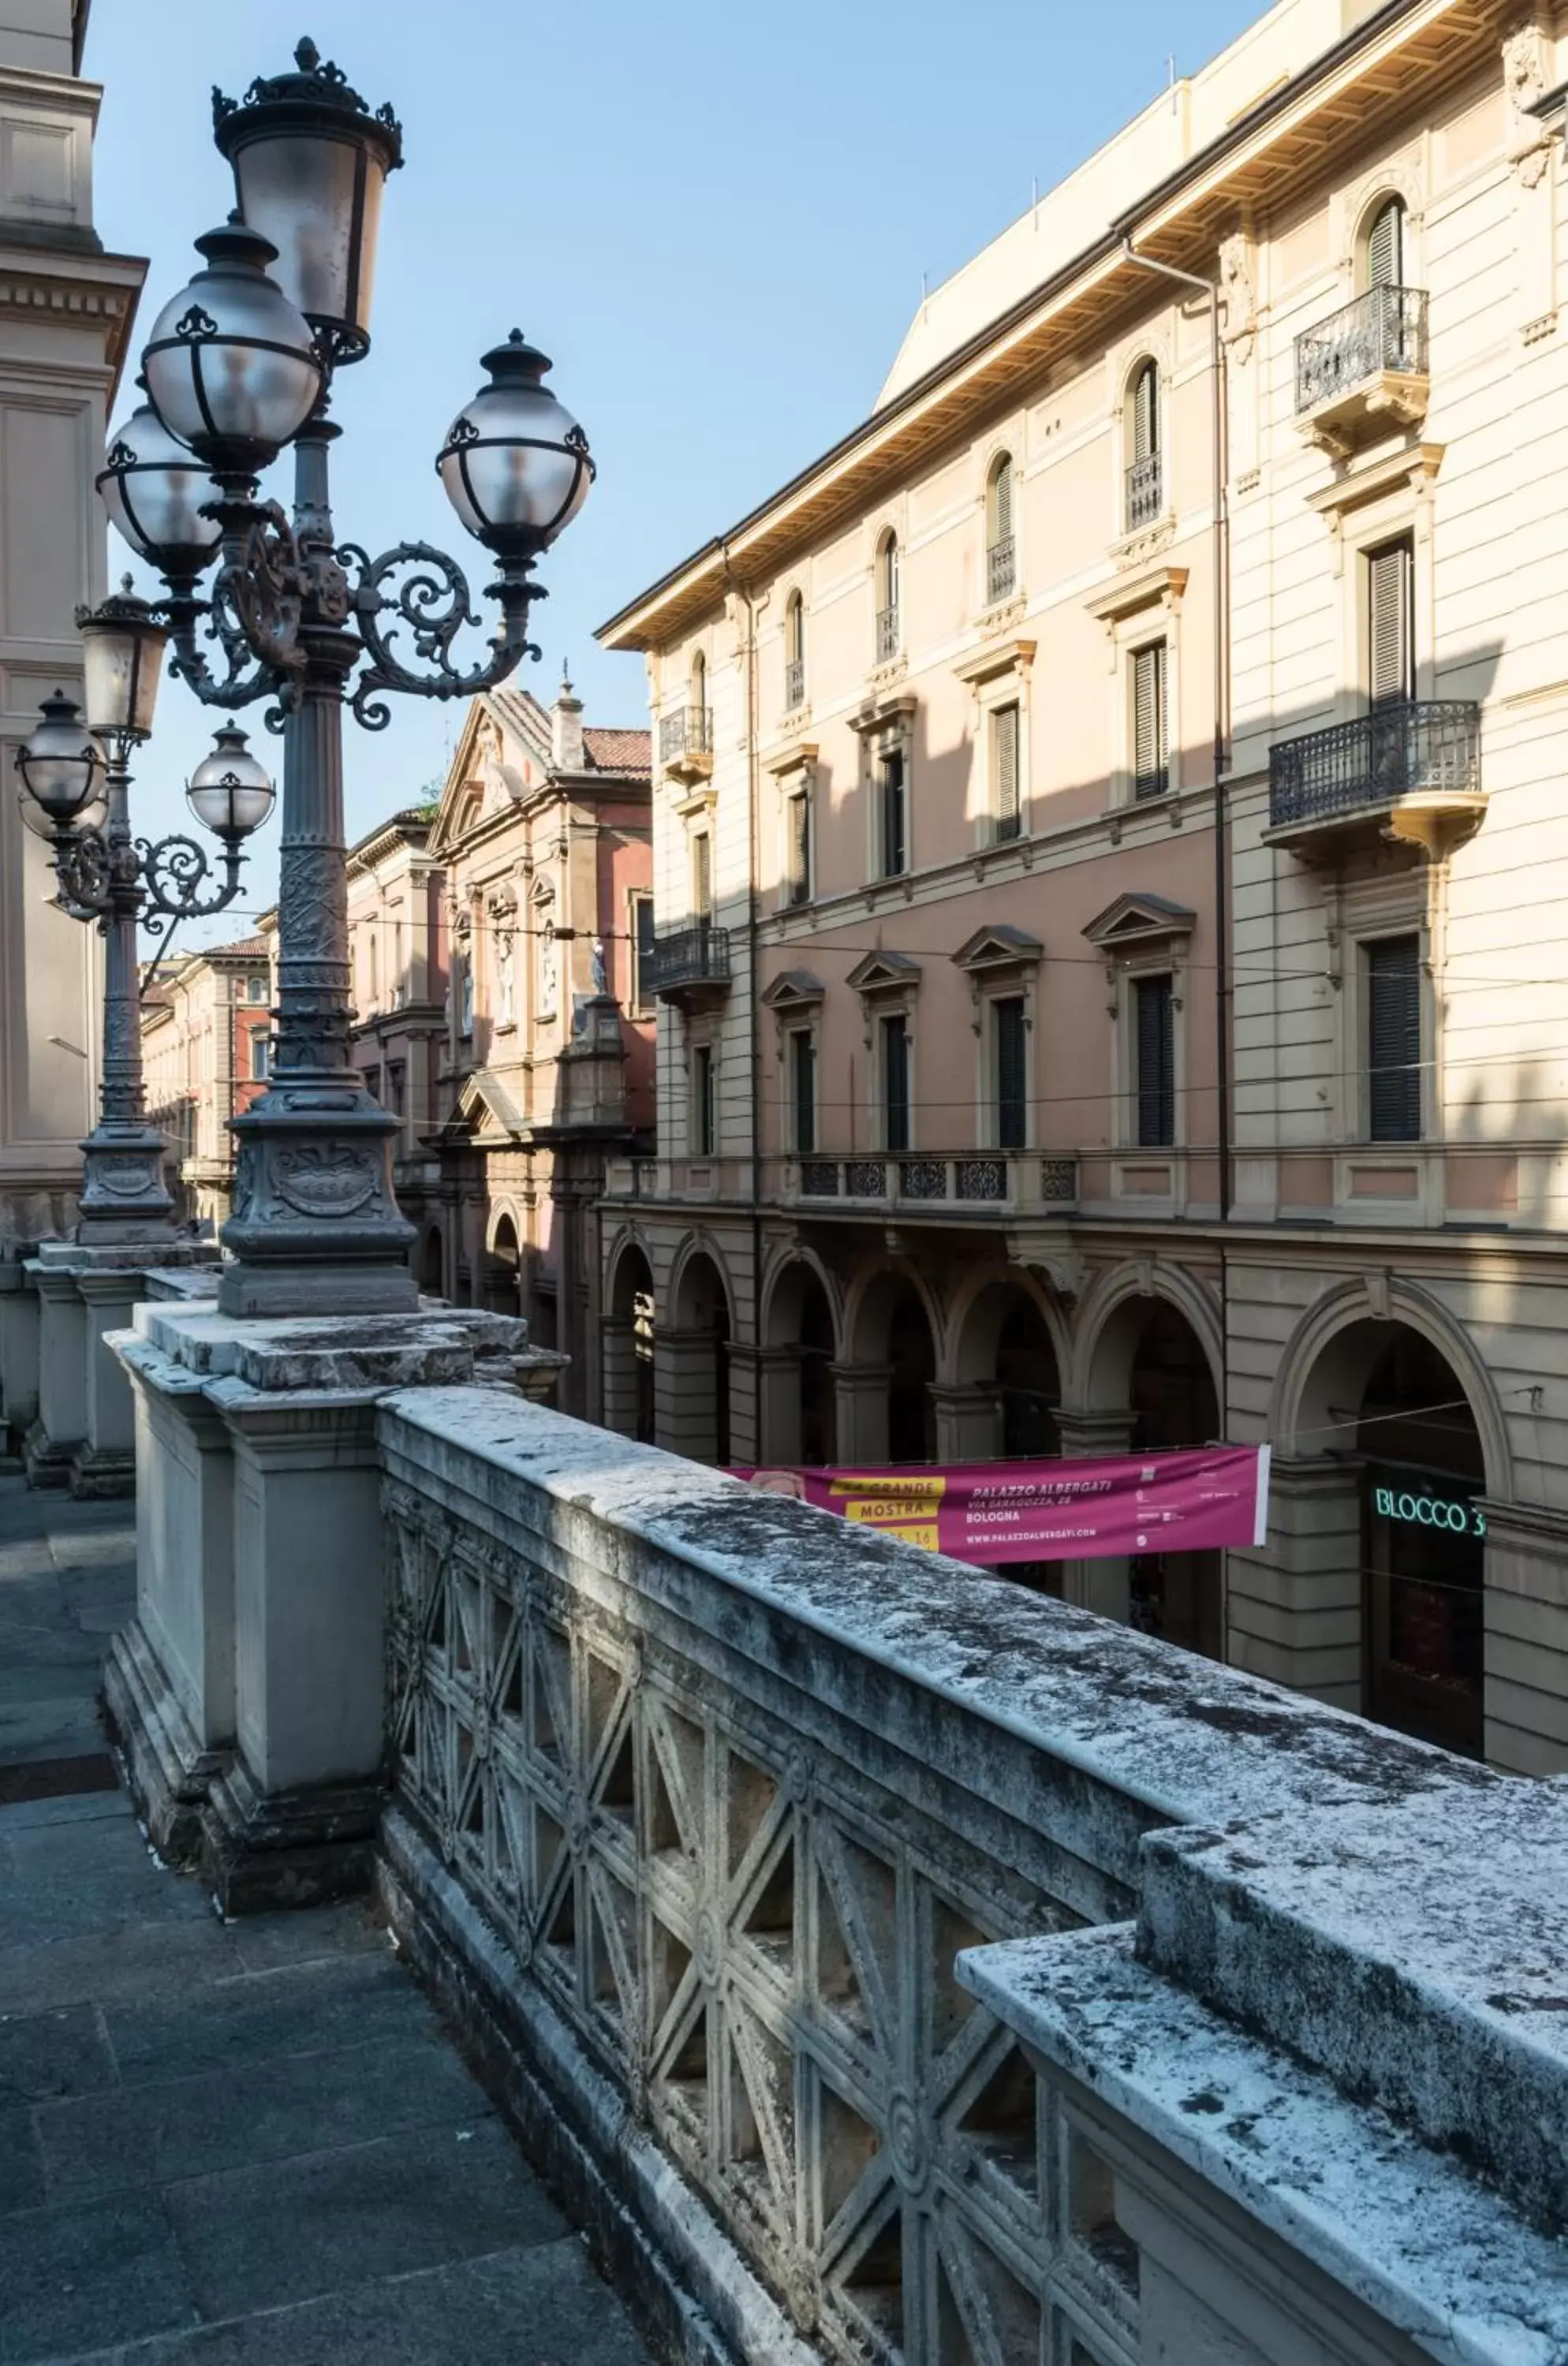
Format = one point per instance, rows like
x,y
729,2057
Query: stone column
x,y
968,1422
778,1407
618,1380
1293,1604
1102,1586
685,1380
18,1355
862,1408
1526,1638
62,1425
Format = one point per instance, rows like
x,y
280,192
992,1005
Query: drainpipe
x,y
754,1009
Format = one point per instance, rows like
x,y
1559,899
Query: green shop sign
x,y
1403,1505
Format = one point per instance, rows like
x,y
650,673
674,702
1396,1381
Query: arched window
x,y
1001,565
1383,262
699,729
699,683
1146,484
795,651
887,630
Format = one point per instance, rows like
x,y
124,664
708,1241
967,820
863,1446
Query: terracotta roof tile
x,y
618,751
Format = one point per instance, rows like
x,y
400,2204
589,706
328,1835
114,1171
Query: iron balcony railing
x,y
687,732
1385,330
1001,570
685,957
794,682
1432,745
886,634
1145,492
987,1179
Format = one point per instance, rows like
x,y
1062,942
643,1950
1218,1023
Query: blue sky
x,y
715,220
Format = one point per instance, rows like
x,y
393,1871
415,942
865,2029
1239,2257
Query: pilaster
x,y
1293,1605
1526,1638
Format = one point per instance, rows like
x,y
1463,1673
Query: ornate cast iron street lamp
x,y
239,366
75,785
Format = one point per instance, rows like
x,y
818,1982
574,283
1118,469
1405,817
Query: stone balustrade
x,y
878,1954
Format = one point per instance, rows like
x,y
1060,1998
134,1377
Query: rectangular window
x,y
1151,761
256,989
1010,1044
703,1111
1005,804
797,847
803,1090
261,1053
896,1083
702,877
1391,625
1394,1039
642,948
894,834
1155,1055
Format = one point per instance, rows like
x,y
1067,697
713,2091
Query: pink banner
x,y
992,1513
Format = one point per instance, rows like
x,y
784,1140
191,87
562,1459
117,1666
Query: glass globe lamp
x,y
154,490
515,463
230,792
230,367
60,762
122,657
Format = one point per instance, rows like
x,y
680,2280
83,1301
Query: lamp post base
x,y
124,1197
274,1291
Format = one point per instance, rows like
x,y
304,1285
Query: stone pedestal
x,y
84,1434
18,1357
247,1694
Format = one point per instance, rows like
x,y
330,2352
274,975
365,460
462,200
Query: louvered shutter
x,y
1394,1039
805,1079
1013,1083
1155,1054
702,875
1385,247
1390,644
1001,523
1149,775
644,945
800,848
1004,743
1146,413
893,846
896,1083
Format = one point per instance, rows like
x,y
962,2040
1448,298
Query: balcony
x,y
794,685
1364,371
1410,772
689,965
685,743
1145,493
887,635
1001,571
971,1184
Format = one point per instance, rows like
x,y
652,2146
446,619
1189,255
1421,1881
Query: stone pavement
x,y
249,2144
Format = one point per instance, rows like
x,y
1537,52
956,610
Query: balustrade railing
x,y
795,683
1383,329
886,634
1430,746
976,1179
698,955
1145,492
1001,570
688,732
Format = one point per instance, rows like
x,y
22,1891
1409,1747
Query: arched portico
x,y
503,1267
692,1358
626,1339
886,1410
1001,1389
800,1335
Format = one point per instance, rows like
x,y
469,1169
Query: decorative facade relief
x,y
1525,68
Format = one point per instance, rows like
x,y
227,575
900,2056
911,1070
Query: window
x,y
1146,484
797,846
1151,761
895,1047
893,804
1006,810
887,574
1009,1078
1385,246
803,1090
1001,570
256,989
1391,625
699,687
702,1111
261,1053
1155,1055
702,875
642,948
1394,1039
795,651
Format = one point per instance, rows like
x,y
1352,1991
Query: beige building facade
x,y
66,309
206,1048
1107,869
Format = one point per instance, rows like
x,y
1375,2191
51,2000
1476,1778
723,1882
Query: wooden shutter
x,y
1154,1050
1394,1039
1004,750
1385,247
1146,413
799,846
795,638
1001,500
701,1096
1149,767
802,1051
896,1083
1012,1074
1391,654
702,875
893,835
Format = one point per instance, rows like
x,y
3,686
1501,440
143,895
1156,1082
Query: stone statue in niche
x,y
505,1011
550,970
465,965
598,974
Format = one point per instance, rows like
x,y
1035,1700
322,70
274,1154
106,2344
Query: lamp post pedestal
x,y
84,1434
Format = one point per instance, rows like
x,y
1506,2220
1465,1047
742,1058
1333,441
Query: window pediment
x,y
884,713
1013,656
1155,587
1000,947
795,756
795,989
1138,923
883,974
